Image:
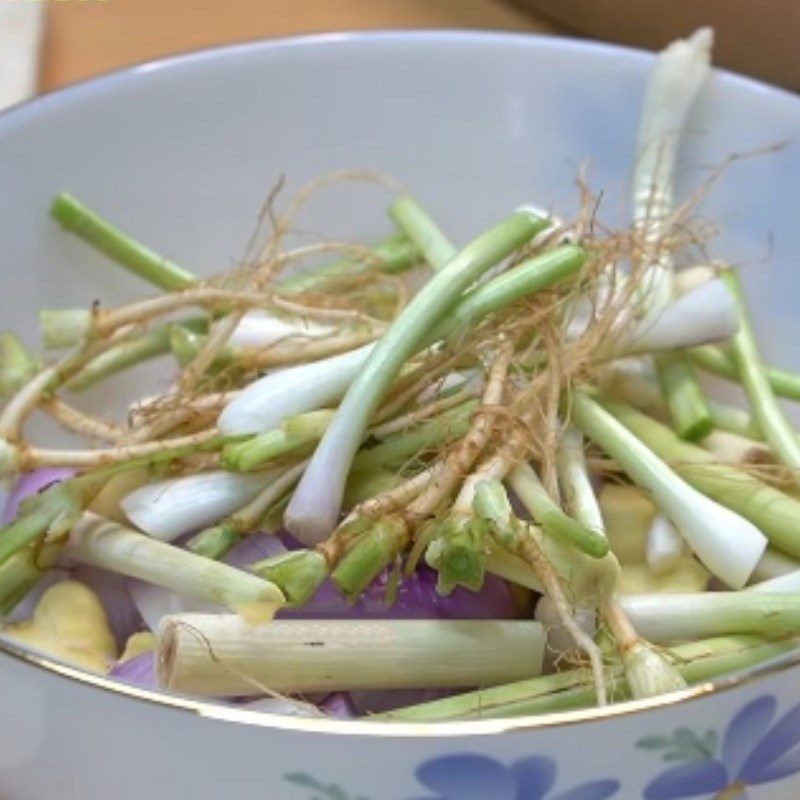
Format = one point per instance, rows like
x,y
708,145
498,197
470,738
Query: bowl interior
x,y
182,154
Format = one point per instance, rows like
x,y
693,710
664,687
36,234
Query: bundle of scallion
x,y
507,480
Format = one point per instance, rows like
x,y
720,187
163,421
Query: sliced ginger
x,y
628,514
70,624
688,577
137,644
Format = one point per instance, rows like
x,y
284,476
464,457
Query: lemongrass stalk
x,y
669,618
172,507
573,474
216,541
392,255
665,546
314,509
298,573
218,655
127,354
729,545
697,662
722,363
764,406
688,405
776,514
774,564
266,402
420,228
17,365
294,433
533,495
116,548
118,246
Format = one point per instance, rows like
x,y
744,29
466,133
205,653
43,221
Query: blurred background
x,y
45,44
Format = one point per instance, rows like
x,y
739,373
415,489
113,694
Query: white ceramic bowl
x,y
182,152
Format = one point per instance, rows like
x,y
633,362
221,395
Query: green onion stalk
x,y
728,544
647,672
17,365
314,509
679,73
263,404
764,406
697,662
494,509
721,362
216,541
380,539
773,512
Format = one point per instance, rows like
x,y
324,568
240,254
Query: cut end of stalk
x,y
214,542
457,555
299,574
374,551
260,612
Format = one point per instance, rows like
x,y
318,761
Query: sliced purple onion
x,y
32,483
416,599
339,705
155,602
140,670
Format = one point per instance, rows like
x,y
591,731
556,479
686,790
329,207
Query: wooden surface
x,y
87,37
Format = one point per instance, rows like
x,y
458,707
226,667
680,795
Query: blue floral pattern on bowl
x,y
471,776
755,749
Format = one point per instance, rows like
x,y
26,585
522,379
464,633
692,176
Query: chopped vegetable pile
x,y
426,480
